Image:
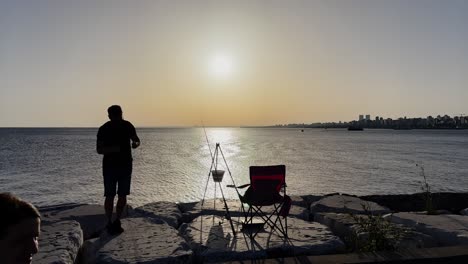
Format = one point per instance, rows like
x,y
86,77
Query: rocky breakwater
x,y
165,232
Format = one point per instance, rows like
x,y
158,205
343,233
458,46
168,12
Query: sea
x,y
51,166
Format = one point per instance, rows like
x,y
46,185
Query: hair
x,y
114,110
14,210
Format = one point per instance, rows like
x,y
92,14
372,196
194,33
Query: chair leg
x,y
270,220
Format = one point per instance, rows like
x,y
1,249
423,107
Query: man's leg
x,y
110,186
125,179
121,202
109,207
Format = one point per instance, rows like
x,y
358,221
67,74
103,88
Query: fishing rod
x,y
207,141
212,162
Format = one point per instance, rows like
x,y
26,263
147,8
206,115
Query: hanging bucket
x,y
217,175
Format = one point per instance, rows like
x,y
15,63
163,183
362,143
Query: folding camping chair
x,y
265,188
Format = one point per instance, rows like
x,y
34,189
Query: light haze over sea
x,y
50,166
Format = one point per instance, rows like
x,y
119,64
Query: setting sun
x,y
221,65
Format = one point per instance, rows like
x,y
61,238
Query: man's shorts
x,y
117,175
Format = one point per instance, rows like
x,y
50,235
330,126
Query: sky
x,y
230,63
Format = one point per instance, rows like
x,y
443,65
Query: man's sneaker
x,y
110,228
117,227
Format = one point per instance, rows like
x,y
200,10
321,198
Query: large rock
x,y
340,224
167,211
453,202
346,227
346,204
143,241
299,212
212,239
59,243
299,201
448,230
299,208
91,218
310,199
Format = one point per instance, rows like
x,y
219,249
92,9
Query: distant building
x,y
361,117
368,117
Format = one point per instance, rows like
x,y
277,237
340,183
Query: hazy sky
x,y
172,63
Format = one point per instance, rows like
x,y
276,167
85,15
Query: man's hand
x,y
135,144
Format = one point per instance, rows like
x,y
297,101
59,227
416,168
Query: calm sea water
x,y
52,166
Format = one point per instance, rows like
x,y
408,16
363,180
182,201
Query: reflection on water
x,y
50,166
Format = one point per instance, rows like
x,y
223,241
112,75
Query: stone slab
x,y
453,202
212,240
346,204
299,201
91,217
59,243
167,211
448,230
345,226
143,241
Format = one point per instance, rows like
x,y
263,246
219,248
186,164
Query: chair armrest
x,y
239,187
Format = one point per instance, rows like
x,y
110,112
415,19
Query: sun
x,y
221,65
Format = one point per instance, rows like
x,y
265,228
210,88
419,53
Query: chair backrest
x,y
267,178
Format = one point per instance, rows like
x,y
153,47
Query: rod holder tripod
x,y
217,176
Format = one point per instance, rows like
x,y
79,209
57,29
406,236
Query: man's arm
x,y
135,139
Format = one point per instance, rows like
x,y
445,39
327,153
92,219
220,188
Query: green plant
x,y
426,189
374,233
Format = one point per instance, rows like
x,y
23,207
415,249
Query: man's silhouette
x,y
113,141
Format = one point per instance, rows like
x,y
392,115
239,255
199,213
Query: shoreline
x,y
166,232
452,201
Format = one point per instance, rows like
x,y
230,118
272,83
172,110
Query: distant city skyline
x,y
230,63
428,122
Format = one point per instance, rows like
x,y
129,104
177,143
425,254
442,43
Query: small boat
x,y
355,128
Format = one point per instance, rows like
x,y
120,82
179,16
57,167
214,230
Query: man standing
x,y
113,141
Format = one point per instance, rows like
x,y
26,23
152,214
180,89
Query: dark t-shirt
x,y
117,133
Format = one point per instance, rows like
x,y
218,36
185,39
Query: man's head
x,y
114,112
19,229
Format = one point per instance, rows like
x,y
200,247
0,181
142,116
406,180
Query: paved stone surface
x,y
167,211
345,226
448,230
91,218
59,243
143,241
191,211
216,207
346,204
212,240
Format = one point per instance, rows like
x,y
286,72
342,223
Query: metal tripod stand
x,y
218,178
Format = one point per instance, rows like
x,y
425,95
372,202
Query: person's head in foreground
x,y
19,230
